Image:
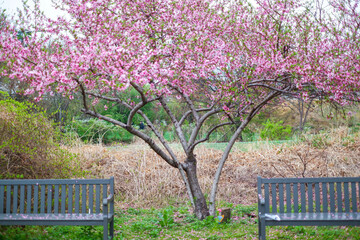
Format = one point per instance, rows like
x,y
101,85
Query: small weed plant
x,y
179,223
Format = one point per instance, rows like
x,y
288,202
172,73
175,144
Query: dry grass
x,y
144,180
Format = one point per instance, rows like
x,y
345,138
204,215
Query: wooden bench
x,y
308,202
58,202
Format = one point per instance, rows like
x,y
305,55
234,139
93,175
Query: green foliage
x,y
144,224
98,131
166,218
29,144
275,131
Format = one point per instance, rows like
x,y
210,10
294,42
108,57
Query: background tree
x,y
224,60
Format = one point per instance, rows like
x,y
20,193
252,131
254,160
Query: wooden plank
x,y
310,180
353,197
70,198
296,197
28,197
56,198
317,198
49,198
273,198
346,197
59,181
339,196
98,194
267,198
36,198
42,198
332,197
91,198
15,199
8,198
281,198
310,198
77,198
303,197
288,198
83,198
325,197
105,192
2,192
22,199
63,198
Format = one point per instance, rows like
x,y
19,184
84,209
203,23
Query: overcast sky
x,y
12,5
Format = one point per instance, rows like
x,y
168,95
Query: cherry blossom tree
x,y
226,60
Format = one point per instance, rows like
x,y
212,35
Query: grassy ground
x,y
179,223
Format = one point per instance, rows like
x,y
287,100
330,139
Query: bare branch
x,y
197,110
136,132
176,124
208,134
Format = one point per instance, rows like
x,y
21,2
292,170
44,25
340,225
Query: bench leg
x,y
106,230
112,229
262,230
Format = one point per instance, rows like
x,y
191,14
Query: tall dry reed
x,y
143,179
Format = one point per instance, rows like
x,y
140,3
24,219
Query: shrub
x,y
28,144
98,131
275,131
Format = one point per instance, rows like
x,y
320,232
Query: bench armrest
x,y
261,205
261,200
106,202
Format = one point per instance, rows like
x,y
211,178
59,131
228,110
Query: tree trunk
x,y
201,208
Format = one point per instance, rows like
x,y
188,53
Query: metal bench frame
x,y
308,202
69,202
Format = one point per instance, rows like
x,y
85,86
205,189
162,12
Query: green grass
x,y
179,223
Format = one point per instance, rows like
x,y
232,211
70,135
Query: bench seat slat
x,y
267,202
303,217
91,198
288,197
296,197
53,219
56,199
273,197
49,198
325,198
310,198
8,198
303,197
317,197
346,197
2,192
63,198
83,197
28,196
77,198
42,198
353,197
22,199
98,191
309,180
50,217
70,198
332,197
15,199
339,196
281,198
36,198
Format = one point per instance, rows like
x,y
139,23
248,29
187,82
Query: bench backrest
x,y
54,195
285,195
